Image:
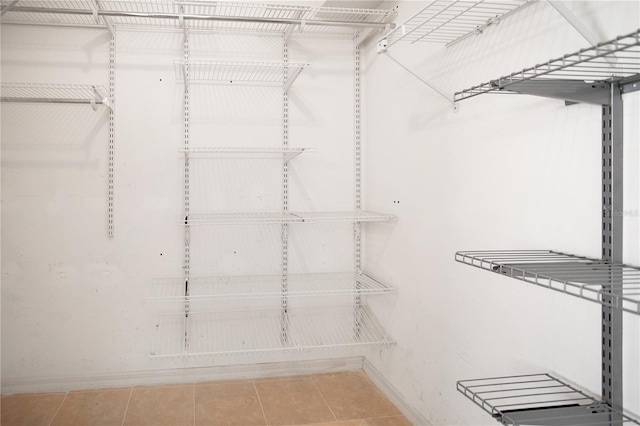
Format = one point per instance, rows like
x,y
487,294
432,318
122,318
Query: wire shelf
x,y
266,286
238,72
286,153
446,21
54,93
286,217
246,332
613,60
538,399
599,281
201,15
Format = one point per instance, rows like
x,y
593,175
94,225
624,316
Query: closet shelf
x,y
200,15
286,217
238,72
286,153
245,332
55,93
599,281
446,21
266,286
578,76
538,399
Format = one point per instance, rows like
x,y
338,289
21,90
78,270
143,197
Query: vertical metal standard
x,y
285,193
187,189
612,222
112,132
357,249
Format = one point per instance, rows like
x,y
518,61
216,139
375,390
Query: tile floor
x,y
346,399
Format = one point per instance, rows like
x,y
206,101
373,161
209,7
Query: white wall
x,y
505,172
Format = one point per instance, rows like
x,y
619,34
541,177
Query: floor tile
x,y
32,409
228,403
351,395
340,423
94,407
388,421
293,402
161,406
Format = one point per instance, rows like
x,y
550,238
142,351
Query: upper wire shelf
x,y
199,15
266,286
286,153
286,217
447,21
613,60
599,281
538,399
55,93
246,332
239,72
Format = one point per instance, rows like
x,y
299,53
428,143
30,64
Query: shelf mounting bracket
x,y
8,7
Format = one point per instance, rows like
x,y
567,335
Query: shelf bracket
x,y
291,27
8,7
96,8
292,77
570,91
454,105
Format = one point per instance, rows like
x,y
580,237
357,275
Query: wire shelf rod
x,y
54,93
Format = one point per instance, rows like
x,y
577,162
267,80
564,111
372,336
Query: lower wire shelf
x,y
539,399
286,217
245,332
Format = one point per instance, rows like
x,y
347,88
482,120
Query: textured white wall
x,y
505,172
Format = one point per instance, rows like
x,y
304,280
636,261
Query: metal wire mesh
x,y
596,280
237,71
286,217
70,93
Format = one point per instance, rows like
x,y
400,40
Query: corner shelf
x,y
55,93
539,399
447,21
286,217
583,277
261,331
266,286
576,77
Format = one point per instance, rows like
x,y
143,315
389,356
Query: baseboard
x,y
392,393
17,385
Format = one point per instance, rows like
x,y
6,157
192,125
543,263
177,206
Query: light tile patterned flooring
x,y
346,399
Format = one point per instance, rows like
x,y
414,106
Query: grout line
x,y
127,407
324,399
58,410
266,422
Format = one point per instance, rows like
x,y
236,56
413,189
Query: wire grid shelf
x,y
54,93
599,281
446,21
612,60
266,286
240,72
538,399
286,153
286,217
246,332
203,15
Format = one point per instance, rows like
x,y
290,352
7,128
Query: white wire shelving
x,y
245,332
596,280
198,15
613,60
449,21
286,153
266,286
286,217
238,72
54,93
539,399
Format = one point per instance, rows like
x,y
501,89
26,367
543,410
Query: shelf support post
x,y
112,133
285,195
187,196
612,223
357,191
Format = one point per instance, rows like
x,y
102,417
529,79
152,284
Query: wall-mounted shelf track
x,y
596,280
582,76
260,331
238,72
196,15
448,21
285,153
286,217
267,286
539,399
55,93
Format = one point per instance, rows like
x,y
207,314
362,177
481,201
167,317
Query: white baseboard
x,y
17,385
394,396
